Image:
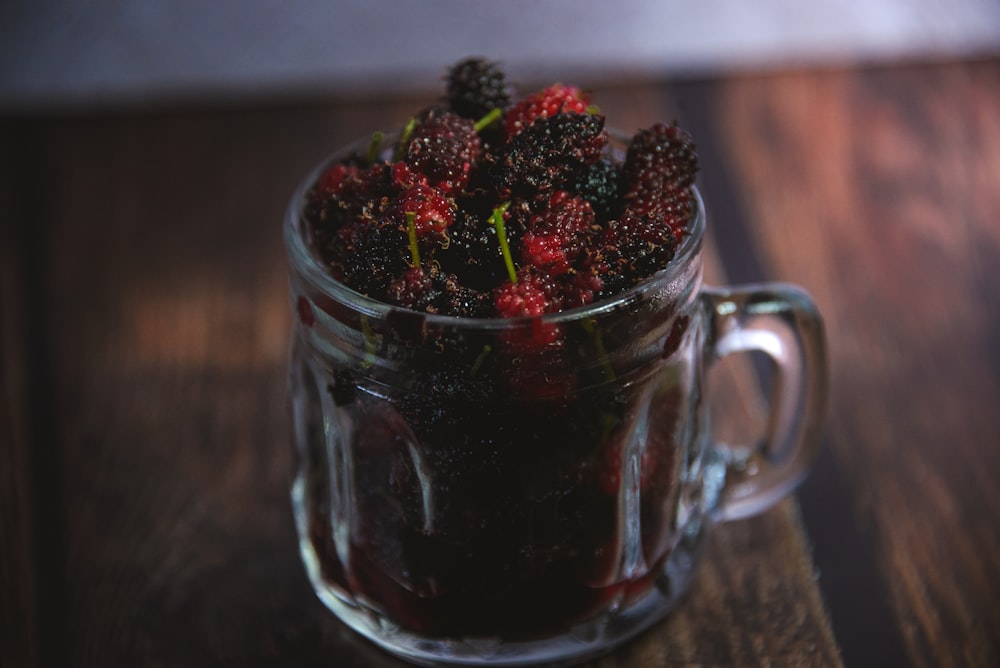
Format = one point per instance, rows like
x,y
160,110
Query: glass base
x,y
582,642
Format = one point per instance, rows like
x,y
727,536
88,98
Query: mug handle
x,y
781,321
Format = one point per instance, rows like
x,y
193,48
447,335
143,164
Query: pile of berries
x,y
488,207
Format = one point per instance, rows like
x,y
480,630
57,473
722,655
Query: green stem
x,y
590,326
497,221
371,343
488,119
373,146
411,231
479,360
404,137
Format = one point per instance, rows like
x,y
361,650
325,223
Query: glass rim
x,y
302,260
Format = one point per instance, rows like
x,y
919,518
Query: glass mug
x,y
461,497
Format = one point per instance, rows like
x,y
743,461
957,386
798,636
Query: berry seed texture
x,y
492,207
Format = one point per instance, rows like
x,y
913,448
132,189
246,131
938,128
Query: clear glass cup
x,y
463,495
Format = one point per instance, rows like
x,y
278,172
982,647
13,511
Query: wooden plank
x,y
866,635
753,603
170,315
168,321
879,191
18,602
169,334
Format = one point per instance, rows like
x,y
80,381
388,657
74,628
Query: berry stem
x,y
411,232
487,349
497,220
608,423
590,326
404,137
373,146
371,343
488,119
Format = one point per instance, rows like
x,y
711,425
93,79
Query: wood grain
x,y
169,321
165,338
18,595
880,192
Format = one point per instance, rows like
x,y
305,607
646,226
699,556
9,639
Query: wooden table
x,y
144,517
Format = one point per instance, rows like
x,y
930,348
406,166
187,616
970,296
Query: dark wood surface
x,y
144,516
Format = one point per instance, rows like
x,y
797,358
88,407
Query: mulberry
x,y
556,99
551,153
443,148
475,87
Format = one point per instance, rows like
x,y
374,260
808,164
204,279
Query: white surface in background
x,y
106,52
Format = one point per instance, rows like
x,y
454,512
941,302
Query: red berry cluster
x,y
485,207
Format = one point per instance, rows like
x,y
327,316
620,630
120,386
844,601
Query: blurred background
x,y
83,53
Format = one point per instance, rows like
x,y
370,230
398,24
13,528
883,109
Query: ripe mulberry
x,y
557,235
658,157
556,99
631,249
443,148
659,169
550,154
475,87
599,185
432,210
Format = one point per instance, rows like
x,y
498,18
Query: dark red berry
x,y
411,289
565,215
545,252
475,87
659,169
433,212
551,153
631,249
455,299
599,185
367,253
435,291
557,234
305,311
443,149
473,251
526,298
332,182
555,99
376,185
583,287
531,296
658,157
404,176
